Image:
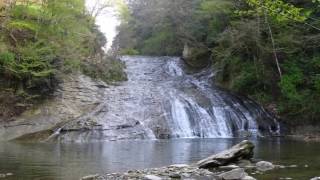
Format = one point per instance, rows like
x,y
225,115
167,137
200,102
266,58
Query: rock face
x,y
76,95
243,150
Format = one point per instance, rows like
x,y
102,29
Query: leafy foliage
x,y
278,9
110,70
41,41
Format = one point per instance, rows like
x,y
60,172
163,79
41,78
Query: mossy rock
x,y
196,57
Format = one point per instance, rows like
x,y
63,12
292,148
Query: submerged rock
x,y
264,166
234,174
293,166
243,150
280,166
90,177
152,177
244,163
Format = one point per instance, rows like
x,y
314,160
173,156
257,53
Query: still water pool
x,y
72,161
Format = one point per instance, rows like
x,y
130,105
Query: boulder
x,y
315,178
264,166
243,150
234,174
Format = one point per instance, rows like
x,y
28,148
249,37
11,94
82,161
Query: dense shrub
x,y
41,41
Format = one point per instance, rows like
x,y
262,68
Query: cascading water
x,y
161,100
223,115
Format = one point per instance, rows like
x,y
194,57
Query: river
x,y
68,161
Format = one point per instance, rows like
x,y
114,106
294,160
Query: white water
x,y
223,116
162,100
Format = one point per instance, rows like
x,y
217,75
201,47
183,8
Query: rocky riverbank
x,y
235,163
179,171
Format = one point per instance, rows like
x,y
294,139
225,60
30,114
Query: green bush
x,y
129,51
109,70
6,58
41,40
22,26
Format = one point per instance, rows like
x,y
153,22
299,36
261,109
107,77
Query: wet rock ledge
x,y
226,165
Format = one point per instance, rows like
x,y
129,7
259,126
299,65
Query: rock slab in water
x,y
243,150
234,174
264,166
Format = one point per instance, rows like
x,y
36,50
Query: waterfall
x,y
164,99
224,115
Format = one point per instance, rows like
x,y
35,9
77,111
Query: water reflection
x,y
71,161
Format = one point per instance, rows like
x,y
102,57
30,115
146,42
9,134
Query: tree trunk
x,y
273,44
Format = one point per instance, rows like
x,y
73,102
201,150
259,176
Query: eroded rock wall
x,y
76,95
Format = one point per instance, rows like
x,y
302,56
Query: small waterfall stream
x,y
162,99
